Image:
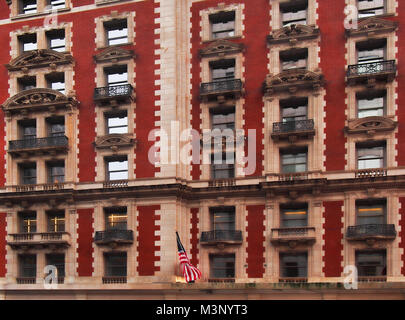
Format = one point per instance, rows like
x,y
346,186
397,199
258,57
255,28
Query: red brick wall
x,y
85,233
401,234
146,240
255,239
332,54
332,249
3,244
194,236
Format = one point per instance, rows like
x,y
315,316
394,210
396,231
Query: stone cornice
x,y
372,26
221,48
370,125
292,34
114,54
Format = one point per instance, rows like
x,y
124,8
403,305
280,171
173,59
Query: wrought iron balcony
x,y
371,232
371,72
114,280
113,94
221,236
371,173
39,240
293,130
114,237
48,145
230,88
293,235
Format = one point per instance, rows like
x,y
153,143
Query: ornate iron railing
x,y
114,280
221,235
293,176
371,68
293,126
370,230
26,280
371,173
293,231
122,90
114,235
221,86
36,143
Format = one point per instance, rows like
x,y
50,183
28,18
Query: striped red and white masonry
x,y
190,272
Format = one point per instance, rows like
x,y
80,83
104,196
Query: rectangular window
x,y
28,173
57,260
294,215
294,12
222,24
28,265
371,263
293,160
369,8
370,212
293,265
28,6
293,110
116,218
371,103
56,40
56,4
223,118
116,75
56,221
115,264
371,51
222,218
222,69
223,170
28,222
116,32
371,155
294,59
117,168
56,171
56,81
26,83
55,126
117,122
27,129
28,42
222,266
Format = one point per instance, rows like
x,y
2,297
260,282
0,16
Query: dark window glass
x,y
294,12
56,39
28,42
56,172
223,218
28,6
371,263
56,221
28,173
28,265
57,260
222,266
57,4
371,156
294,216
28,222
116,32
222,25
370,212
293,265
222,70
223,170
293,161
116,264
116,218
369,8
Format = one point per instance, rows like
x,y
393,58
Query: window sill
x,y
116,45
38,14
226,38
106,2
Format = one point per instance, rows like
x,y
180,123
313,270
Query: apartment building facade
x,y
102,100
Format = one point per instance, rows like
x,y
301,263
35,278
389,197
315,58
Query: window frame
x,y
110,159
23,267
120,114
283,266
224,18
371,145
370,252
111,25
24,177
369,96
32,221
213,269
119,212
56,221
108,268
371,204
296,207
294,151
361,16
293,7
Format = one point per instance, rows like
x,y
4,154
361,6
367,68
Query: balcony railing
x,y
56,143
39,240
375,231
221,280
293,234
371,173
26,280
114,280
229,87
221,236
293,130
118,92
293,176
114,236
383,70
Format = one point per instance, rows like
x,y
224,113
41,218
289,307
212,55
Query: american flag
x,y
190,272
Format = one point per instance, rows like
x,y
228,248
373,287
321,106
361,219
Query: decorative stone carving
x,y
39,59
221,48
293,80
293,34
114,54
370,125
114,141
38,98
372,26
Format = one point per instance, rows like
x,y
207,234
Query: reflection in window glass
x,y
117,169
370,157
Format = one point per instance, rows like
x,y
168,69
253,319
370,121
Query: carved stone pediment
x,y
221,48
370,125
293,80
372,26
114,141
114,54
293,34
39,59
38,98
